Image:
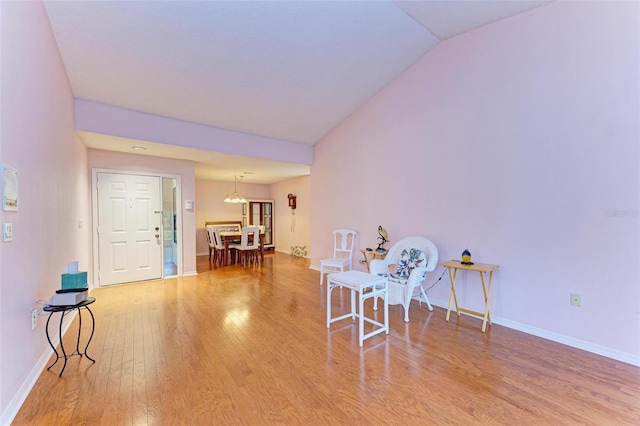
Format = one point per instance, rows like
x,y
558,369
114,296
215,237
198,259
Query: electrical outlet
x,y
7,232
576,299
34,319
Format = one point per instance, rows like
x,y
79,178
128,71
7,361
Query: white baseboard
x,y
289,253
549,335
559,338
18,399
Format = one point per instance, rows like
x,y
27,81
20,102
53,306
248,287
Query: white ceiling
x,y
287,70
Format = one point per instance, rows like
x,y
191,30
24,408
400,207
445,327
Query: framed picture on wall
x,y
9,189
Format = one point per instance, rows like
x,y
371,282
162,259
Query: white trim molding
x,y
559,338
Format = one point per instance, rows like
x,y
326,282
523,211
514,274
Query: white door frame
x,y
94,214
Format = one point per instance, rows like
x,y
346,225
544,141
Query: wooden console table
x,y
454,266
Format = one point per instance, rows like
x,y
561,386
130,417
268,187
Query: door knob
x,y
157,235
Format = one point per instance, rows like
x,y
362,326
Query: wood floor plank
x,y
250,346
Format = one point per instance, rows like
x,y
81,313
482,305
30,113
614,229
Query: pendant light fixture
x,y
235,197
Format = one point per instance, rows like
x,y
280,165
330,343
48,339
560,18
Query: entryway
x,y
135,227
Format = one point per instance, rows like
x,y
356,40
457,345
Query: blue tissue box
x,y
77,280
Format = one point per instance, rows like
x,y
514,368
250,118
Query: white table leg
x,y
353,304
386,306
328,302
360,318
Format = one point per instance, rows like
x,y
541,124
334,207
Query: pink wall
x,y
292,227
210,205
106,119
38,139
517,141
161,167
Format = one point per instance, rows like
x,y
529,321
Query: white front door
x,y
129,228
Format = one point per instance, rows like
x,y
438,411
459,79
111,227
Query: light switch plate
x,y
7,232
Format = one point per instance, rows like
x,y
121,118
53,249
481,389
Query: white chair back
x,y
217,240
344,240
247,243
216,246
343,243
210,237
423,244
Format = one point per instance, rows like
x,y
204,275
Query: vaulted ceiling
x,y
284,70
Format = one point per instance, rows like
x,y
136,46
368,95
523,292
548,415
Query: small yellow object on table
x,y
454,266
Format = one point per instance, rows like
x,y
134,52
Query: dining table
x,y
228,236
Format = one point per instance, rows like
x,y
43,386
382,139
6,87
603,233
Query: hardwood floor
x,y
249,345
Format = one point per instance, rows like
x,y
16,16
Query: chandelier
x,y
235,197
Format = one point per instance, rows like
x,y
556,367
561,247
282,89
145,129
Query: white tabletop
x,y
356,279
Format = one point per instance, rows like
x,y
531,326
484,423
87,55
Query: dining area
x,y
231,243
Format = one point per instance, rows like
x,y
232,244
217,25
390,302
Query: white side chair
x,y
216,246
262,229
405,267
343,243
209,231
249,247
219,251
